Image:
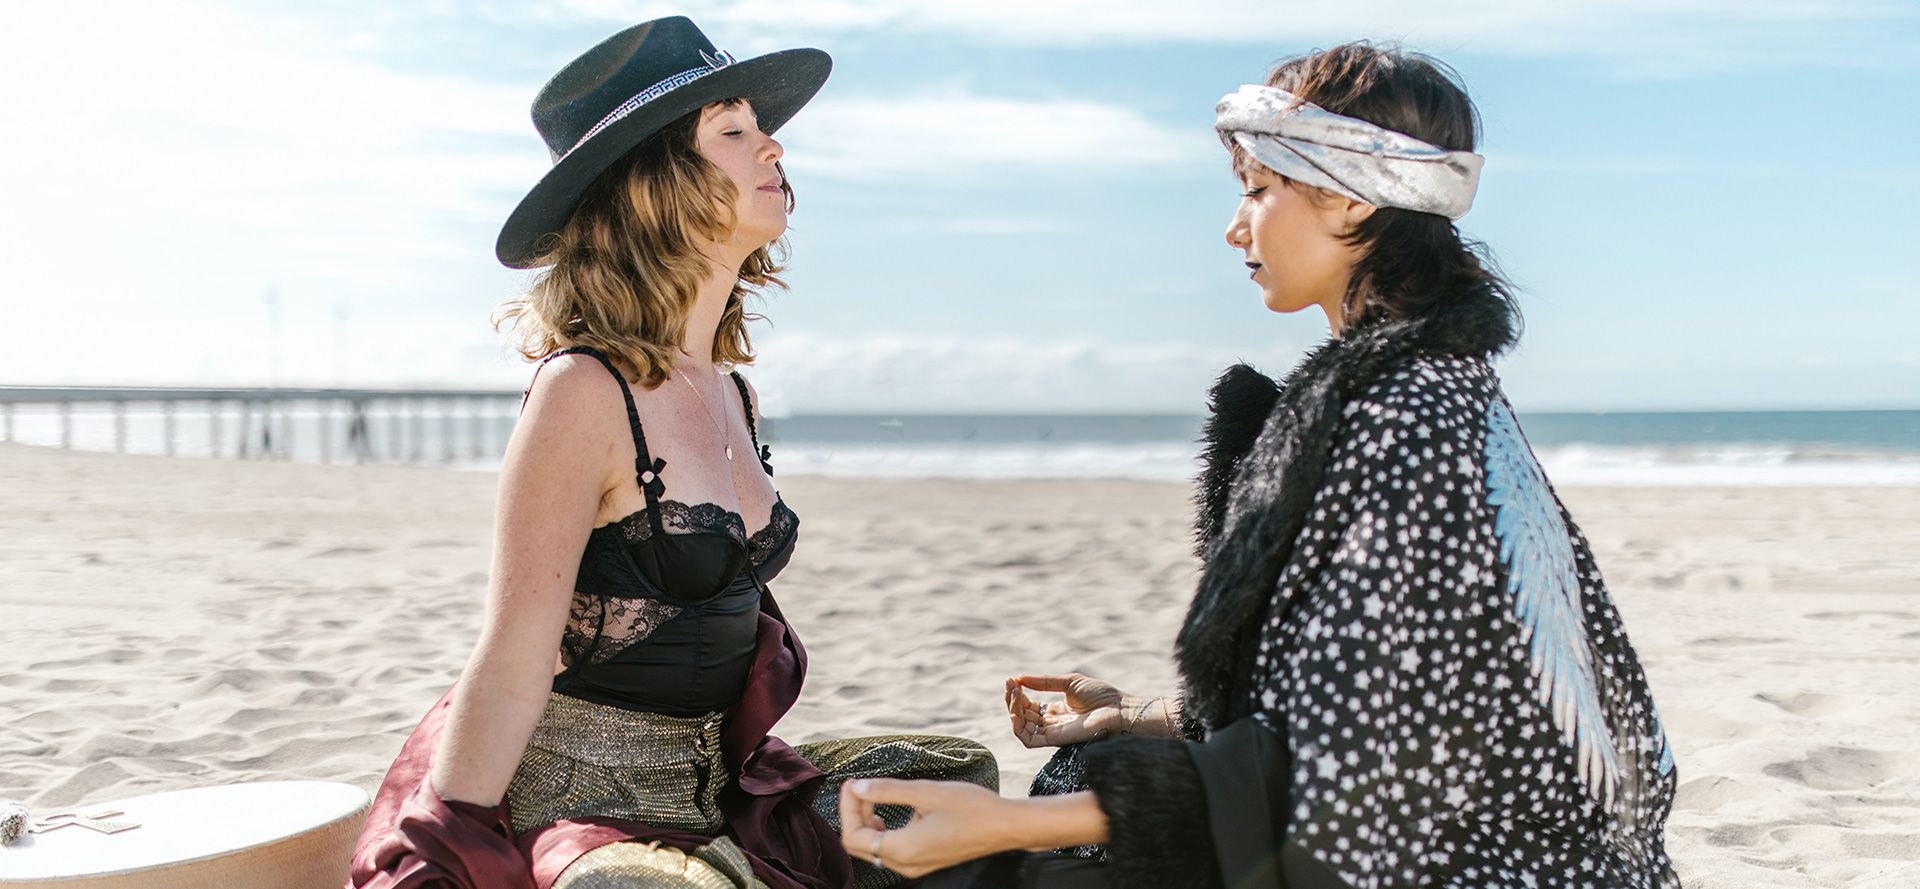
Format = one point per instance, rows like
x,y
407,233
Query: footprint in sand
x,y
241,680
1738,640
321,697
249,719
1711,793
1018,560
344,551
1844,768
1808,703
1735,836
967,626
1851,615
1849,842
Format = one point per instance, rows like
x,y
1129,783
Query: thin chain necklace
x,y
711,418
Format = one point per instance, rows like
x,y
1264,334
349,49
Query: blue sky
x,y
1002,206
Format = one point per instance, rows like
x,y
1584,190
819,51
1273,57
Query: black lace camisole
x,y
666,608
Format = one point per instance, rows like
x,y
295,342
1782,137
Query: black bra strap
x,y
746,400
646,470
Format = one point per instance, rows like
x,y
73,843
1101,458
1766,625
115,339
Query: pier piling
x,y
270,421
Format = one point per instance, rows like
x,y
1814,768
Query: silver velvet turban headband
x,y
1311,145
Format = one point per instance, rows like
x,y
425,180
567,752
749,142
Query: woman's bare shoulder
x,y
577,393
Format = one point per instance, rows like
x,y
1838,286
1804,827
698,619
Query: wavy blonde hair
x,y
622,275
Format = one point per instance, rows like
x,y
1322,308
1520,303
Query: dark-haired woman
x,y
610,727
1401,667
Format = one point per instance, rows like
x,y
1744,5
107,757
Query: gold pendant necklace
x,y
725,439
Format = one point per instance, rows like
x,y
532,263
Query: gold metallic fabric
x,y
717,865
588,759
930,757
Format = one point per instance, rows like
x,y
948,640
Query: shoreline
x,y
178,623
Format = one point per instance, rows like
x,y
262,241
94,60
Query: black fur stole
x,y
1267,448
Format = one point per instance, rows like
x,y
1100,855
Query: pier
x,y
308,425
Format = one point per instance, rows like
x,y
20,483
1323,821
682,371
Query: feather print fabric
x,y
1538,553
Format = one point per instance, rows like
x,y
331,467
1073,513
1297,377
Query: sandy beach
x,y
173,623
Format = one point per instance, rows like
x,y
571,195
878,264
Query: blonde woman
x,y
610,728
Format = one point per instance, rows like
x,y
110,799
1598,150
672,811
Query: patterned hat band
x,y
714,62
1351,157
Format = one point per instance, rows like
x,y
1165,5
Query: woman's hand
x,y
953,822
1093,710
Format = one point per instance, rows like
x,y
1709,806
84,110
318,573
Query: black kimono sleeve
x,y
1363,738
1390,651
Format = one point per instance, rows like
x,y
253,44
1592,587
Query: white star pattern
x,y
1401,677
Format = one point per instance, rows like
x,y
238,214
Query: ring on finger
x,y
877,836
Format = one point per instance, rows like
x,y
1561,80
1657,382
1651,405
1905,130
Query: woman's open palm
x,y
1092,710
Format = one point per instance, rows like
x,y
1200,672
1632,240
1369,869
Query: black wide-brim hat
x,y
614,96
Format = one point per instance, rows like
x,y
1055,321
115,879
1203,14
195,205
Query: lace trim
x,y
682,518
616,622
767,541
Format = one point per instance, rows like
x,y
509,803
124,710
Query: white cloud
x,y
176,161
208,141
813,373
1643,36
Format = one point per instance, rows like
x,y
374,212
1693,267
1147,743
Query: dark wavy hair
x,y
1412,264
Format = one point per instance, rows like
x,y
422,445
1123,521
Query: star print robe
x,y
1401,667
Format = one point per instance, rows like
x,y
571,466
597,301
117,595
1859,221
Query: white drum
x,y
268,835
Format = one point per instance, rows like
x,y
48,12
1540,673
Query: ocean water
x,y
1798,448
1695,449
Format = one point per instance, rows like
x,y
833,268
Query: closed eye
x,y
1253,192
